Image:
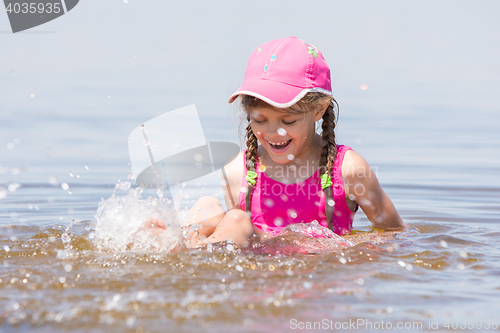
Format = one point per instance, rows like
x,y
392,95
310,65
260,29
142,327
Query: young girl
x,y
288,173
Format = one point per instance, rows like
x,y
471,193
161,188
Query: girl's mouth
x,y
279,145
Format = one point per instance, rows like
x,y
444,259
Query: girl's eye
x,y
257,121
289,123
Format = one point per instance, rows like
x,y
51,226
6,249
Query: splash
x,y
306,238
120,221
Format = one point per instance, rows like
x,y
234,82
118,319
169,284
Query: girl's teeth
x,y
279,144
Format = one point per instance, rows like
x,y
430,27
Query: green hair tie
x,y
326,181
251,175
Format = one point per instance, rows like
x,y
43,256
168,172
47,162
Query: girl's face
x,y
284,135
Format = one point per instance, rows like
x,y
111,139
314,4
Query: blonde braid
x,y
250,160
328,155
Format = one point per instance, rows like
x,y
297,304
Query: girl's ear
x,y
321,111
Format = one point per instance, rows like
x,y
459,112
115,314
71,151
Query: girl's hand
x,y
156,226
361,185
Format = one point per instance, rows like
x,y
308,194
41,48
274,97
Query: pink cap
x,y
282,71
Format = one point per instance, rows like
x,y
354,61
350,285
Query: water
x,y
427,122
64,263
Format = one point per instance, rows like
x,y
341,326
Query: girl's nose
x,y
273,129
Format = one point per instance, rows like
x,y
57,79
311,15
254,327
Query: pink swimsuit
x,y
276,205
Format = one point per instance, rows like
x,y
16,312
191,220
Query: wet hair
x,y
311,101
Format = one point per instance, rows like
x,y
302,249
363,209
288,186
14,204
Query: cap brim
x,y
277,94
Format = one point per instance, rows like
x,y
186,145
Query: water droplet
x,y
230,247
409,267
53,180
15,171
461,266
360,281
10,145
307,285
401,263
130,321
331,203
269,202
124,186
282,131
443,243
62,279
342,260
198,157
463,254
6,248
363,86
68,267
3,192
14,186
278,222
65,186
271,268
239,268
265,68
291,157
86,167
273,57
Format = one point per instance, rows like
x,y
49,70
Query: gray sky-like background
x,y
406,51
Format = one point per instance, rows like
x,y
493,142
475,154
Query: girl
x,y
288,173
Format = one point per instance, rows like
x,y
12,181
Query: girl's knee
x,y
240,218
239,215
207,200
207,211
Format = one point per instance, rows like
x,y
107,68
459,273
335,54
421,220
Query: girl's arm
x,y
231,180
361,185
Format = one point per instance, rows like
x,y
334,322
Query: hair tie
x,y
251,175
326,181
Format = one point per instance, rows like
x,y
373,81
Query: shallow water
x,y
56,274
